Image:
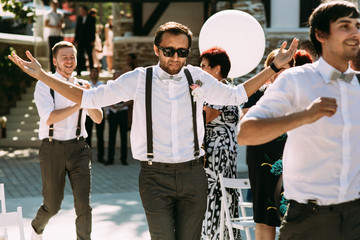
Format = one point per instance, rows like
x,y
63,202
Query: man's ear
x,y
320,35
156,50
218,68
54,62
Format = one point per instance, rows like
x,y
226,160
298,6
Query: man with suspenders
x,y
167,127
63,148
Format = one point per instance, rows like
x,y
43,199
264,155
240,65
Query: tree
x,y
17,8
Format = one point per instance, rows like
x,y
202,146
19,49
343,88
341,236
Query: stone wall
x,y
142,47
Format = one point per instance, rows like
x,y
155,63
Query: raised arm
x,y
34,69
255,131
282,58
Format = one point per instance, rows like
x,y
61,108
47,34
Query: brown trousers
x,y
174,198
56,159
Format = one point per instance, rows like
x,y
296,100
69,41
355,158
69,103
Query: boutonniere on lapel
x,y
196,91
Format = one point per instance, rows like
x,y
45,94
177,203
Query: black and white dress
x,y
221,154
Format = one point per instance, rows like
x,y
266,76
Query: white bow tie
x,y
165,76
347,77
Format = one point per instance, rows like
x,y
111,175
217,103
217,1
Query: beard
x,y
63,70
172,70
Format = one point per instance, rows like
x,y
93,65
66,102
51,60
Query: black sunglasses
x,y
169,52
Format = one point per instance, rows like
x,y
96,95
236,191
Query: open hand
x,y
284,56
32,68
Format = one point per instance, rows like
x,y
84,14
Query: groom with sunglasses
x,y
167,127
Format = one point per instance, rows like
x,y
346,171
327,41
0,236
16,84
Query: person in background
x,y
63,150
84,38
131,64
108,50
98,49
309,48
220,144
317,105
94,81
54,23
117,116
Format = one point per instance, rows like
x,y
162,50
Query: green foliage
x,y
17,8
13,82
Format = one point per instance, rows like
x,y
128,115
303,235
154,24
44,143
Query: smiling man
x,y
167,127
318,106
63,148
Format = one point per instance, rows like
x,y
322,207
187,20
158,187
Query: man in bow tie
x,y
318,106
167,127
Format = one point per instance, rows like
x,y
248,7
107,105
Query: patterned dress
x,y
220,138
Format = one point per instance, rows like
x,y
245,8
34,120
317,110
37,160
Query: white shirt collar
x,y
61,77
325,69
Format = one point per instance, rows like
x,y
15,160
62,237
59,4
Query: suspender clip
x,y
150,156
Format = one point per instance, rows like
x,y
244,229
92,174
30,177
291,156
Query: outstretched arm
x,y
255,131
34,69
282,58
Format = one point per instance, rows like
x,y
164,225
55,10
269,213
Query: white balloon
x,y
239,34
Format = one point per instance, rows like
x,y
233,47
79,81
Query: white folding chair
x,y
243,222
8,219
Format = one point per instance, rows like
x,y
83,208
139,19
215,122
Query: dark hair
x,y
270,58
302,57
62,44
174,28
217,56
84,7
327,13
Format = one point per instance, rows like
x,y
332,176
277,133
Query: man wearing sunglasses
x,y
167,126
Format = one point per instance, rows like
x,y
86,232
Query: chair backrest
x,y
13,219
2,198
8,219
238,184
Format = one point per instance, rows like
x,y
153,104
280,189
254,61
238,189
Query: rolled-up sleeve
x,y
43,100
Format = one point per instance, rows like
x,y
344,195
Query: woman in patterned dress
x,y
220,144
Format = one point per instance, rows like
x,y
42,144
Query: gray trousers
x,y
313,222
56,159
174,198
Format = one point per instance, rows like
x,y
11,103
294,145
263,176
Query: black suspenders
x,y
149,133
51,127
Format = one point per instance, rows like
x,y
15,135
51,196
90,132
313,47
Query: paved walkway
x,y
117,209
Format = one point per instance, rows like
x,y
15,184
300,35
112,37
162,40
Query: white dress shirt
x,y
173,135
65,129
321,160
54,20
